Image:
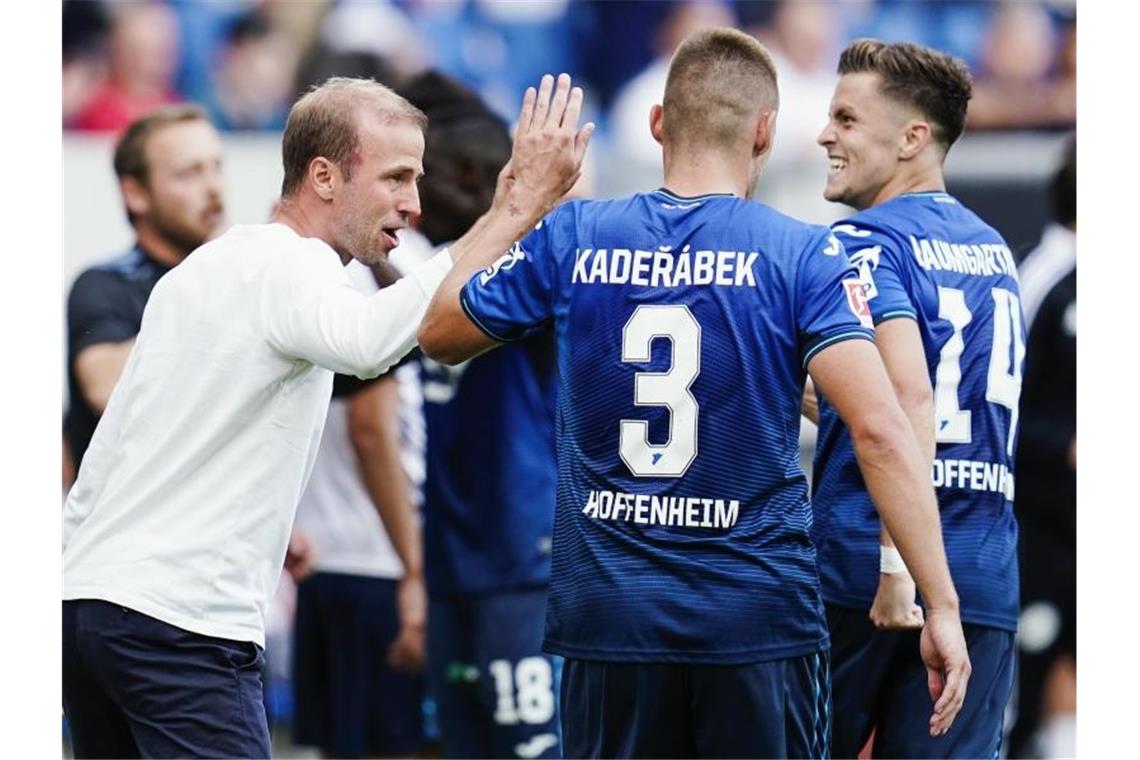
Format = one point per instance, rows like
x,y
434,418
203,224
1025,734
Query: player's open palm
x,y
943,648
894,607
549,147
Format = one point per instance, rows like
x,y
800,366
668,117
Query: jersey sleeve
x,y
99,311
513,298
875,257
312,311
830,306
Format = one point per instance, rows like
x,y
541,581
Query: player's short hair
x,y
130,151
466,146
323,123
718,80
936,84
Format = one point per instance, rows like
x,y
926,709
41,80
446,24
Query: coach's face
x,y
381,194
181,199
862,139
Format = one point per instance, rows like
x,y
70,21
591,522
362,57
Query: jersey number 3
x,y
669,389
1003,383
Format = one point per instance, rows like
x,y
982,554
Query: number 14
x,y
1003,383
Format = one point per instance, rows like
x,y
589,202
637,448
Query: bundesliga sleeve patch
x,y
857,301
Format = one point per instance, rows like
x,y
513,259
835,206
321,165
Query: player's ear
x,y
324,176
915,137
135,196
657,123
765,133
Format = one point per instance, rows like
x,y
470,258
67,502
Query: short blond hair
x,y
323,123
719,79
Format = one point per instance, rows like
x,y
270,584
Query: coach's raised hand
x,y
545,163
548,149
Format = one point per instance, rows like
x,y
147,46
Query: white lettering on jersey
x,y
504,262
671,511
664,268
982,260
973,475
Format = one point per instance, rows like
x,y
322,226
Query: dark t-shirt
x,y
105,306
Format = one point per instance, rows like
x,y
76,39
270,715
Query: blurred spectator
x,y
1027,78
498,47
84,65
803,38
253,81
142,53
629,117
378,29
169,169
1046,500
322,62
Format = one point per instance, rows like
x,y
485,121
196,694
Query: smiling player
x,y
942,288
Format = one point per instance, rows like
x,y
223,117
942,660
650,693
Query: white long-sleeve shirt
x,y
185,499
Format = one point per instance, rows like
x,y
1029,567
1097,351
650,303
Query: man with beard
x,y
169,165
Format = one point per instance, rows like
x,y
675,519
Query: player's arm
x,y
900,346
373,429
545,163
97,368
852,377
809,404
101,333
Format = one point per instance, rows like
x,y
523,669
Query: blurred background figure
x,y
489,486
803,37
142,52
629,116
359,627
1027,76
253,81
84,54
169,166
1046,500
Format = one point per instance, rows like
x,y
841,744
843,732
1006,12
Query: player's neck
x,y
159,248
704,174
927,181
294,213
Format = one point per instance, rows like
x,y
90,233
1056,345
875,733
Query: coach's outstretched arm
x,y
852,377
545,163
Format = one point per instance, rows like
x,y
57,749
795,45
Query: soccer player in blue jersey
x,y
942,289
488,508
684,593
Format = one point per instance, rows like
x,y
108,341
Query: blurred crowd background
x,y
246,61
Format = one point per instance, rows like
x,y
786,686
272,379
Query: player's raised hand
x,y
549,147
943,648
894,607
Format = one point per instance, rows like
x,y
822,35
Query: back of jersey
x,y
683,325
925,257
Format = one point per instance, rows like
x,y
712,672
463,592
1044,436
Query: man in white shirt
x,y
360,618
176,528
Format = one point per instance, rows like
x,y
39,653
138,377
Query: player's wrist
x,y
891,561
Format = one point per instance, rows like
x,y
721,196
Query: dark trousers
x,y
879,683
627,709
134,686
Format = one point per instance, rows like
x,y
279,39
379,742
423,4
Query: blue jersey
x,y
923,256
489,489
681,531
